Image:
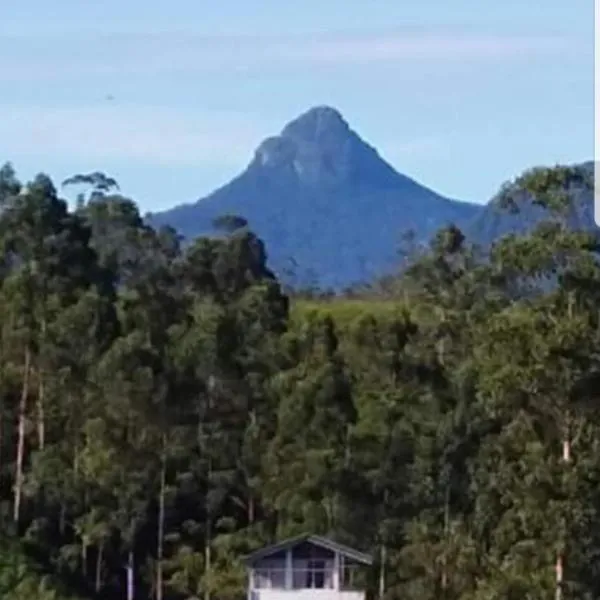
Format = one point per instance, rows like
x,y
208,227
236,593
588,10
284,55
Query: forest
x,y
167,408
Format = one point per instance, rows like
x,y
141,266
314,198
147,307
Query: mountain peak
x,y
324,202
320,148
316,124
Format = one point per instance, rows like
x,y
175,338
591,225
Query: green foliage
x,y
166,410
22,579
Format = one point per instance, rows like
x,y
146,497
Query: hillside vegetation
x,y
23,578
166,410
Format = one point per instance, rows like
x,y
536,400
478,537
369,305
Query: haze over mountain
x,y
327,205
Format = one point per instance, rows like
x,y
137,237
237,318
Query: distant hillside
x,y
328,207
495,221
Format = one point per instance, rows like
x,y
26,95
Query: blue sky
x,y
461,95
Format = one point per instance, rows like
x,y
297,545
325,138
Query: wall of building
x,y
314,594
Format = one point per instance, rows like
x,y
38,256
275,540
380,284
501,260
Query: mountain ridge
x,y
332,211
327,205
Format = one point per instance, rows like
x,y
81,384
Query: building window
x,y
270,574
315,574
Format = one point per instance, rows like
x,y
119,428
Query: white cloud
x,y
108,54
150,135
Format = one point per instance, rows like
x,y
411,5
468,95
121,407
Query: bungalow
x,y
304,568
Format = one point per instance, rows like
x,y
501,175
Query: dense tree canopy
x,y
166,408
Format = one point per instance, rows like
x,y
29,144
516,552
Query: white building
x,y
307,567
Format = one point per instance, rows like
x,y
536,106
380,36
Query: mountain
x,y
327,205
332,211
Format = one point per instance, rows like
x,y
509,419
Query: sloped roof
x,y
316,540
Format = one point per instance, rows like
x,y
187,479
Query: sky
x,y
172,98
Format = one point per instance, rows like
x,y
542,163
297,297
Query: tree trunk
x,y
446,532
84,556
21,437
207,521
207,558
41,423
161,523
566,449
566,457
208,530
1,432
130,578
2,377
98,577
382,571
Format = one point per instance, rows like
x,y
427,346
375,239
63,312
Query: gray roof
x,y
316,540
